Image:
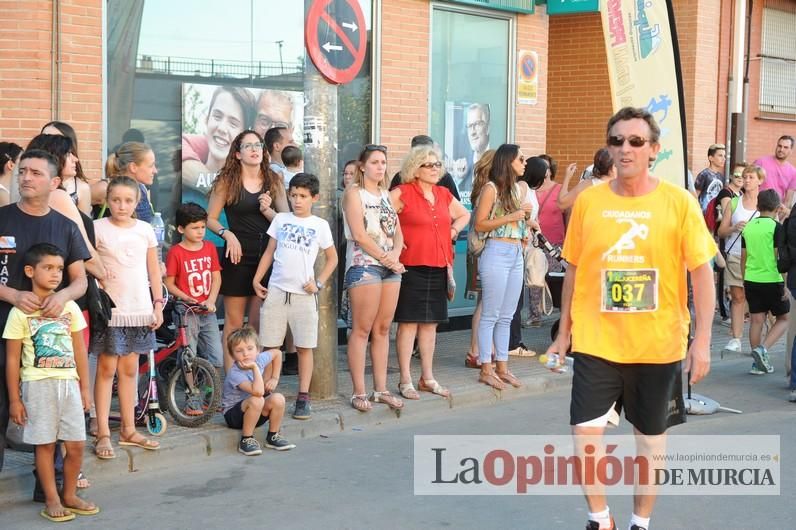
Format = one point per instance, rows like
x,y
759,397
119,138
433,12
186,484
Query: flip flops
x,y
80,511
69,516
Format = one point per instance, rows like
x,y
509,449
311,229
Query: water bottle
x,y
160,229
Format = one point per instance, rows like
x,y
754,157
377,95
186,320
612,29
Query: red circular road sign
x,y
335,36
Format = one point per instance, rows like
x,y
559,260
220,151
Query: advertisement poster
x,y
213,115
644,70
467,127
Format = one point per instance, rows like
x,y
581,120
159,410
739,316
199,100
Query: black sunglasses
x,y
619,141
429,165
376,147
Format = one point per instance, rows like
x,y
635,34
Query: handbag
x,y
451,283
476,241
99,304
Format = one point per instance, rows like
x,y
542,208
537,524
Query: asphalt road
x,y
363,478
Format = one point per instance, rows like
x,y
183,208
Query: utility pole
x,y
281,43
320,159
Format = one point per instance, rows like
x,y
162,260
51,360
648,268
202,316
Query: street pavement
x,y
353,470
362,477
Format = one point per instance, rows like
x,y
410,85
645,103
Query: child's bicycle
x,y
192,386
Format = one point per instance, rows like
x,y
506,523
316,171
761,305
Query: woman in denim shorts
x,y
372,276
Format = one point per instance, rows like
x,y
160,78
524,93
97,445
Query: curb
x,y
216,439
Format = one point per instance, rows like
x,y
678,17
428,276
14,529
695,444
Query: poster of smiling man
x,y
213,115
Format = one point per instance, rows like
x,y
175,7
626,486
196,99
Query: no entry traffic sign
x,y
335,36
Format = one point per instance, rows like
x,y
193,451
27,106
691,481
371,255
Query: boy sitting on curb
x,y
249,399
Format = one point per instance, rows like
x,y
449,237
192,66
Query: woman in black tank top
x,y
251,195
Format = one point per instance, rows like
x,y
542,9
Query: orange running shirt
x,y
630,298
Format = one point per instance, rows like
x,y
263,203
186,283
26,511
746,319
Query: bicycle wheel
x,y
191,408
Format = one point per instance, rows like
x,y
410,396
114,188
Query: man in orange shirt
x,y
634,238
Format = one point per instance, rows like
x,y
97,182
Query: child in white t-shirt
x,y
291,298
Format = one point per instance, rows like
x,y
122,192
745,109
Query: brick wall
x,y
762,134
405,77
698,33
579,101
25,63
530,122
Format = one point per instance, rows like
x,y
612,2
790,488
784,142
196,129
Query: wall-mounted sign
x,y
565,7
527,77
336,39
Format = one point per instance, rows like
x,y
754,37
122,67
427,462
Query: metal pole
x,y
320,158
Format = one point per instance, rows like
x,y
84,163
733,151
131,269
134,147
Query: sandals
x,y
472,361
139,440
388,399
408,391
508,377
491,379
434,387
104,451
88,508
360,402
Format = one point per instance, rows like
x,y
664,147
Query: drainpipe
x,y
55,61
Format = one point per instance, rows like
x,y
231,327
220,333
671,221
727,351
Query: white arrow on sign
x,y
329,47
352,26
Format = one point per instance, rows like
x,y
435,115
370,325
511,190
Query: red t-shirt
x,y
193,270
426,228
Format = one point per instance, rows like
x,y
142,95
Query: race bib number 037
x,y
625,290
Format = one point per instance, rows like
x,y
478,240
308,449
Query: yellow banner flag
x,y
644,69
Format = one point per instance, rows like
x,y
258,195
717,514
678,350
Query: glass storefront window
x,y
168,61
469,103
469,89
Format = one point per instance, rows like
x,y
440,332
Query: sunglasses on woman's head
x,y
619,141
375,147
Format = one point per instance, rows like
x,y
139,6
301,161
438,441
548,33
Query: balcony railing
x,y
194,67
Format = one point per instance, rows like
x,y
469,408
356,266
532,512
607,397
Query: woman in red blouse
x,y
430,219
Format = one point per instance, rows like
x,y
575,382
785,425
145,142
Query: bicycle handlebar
x,y
190,305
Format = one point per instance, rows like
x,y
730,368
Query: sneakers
x,y
756,371
278,443
762,361
303,410
193,407
249,446
792,396
522,351
734,345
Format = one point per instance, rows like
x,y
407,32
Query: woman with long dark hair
x,y
79,189
503,216
250,194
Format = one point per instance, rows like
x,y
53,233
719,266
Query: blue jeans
x,y
500,268
204,336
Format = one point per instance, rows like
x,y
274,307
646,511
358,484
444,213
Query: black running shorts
x,y
765,297
651,394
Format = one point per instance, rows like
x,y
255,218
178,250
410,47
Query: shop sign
x,y
565,7
336,39
527,77
515,6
